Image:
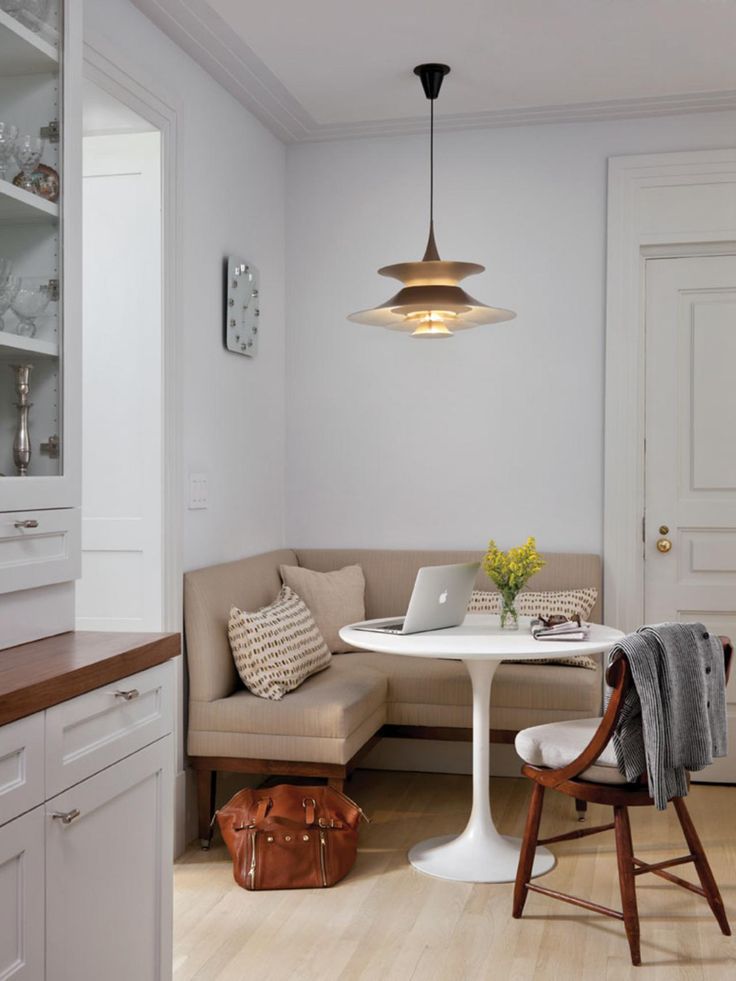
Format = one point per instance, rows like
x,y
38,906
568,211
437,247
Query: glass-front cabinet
x,y
39,295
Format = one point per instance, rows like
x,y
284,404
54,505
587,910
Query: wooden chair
x,y
620,796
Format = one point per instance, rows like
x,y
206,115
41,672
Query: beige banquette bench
x,y
325,726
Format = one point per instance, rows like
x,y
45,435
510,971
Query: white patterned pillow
x,y
568,602
278,647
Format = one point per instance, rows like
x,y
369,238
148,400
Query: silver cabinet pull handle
x,y
28,523
66,817
128,695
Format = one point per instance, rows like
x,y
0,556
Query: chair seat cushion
x,y
556,744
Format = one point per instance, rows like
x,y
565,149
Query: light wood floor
x,y
386,921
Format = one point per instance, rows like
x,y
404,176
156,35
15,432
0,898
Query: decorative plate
x,y
46,182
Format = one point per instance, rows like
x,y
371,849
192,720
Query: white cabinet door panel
x,y
21,767
108,872
97,729
22,898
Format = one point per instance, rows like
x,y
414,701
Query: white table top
x,y
480,638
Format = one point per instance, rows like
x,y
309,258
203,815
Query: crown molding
x,y
204,35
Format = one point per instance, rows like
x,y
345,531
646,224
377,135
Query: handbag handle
x,y
310,809
262,808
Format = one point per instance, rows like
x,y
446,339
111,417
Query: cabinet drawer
x,y
21,766
38,548
92,731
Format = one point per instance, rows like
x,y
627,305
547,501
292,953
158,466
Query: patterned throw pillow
x,y
278,647
568,602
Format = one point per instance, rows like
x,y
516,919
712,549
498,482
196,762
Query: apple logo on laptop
x,y
443,597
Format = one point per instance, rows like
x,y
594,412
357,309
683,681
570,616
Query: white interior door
x,y
121,584
691,452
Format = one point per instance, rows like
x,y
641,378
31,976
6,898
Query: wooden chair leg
x,y
581,807
702,865
625,856
206,787
528,849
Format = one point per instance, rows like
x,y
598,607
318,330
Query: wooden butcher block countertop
x,y
35,676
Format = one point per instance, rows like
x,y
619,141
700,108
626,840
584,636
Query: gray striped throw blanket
x,y
674,714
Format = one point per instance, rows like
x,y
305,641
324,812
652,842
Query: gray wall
x,y
499,430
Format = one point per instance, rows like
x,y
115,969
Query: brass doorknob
x,y
664,545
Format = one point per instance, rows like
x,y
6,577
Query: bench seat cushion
x,y
559,743
327,719
437,692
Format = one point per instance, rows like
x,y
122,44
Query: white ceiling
x,y
320,69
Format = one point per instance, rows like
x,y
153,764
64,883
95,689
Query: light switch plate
x,y
242,307
198,491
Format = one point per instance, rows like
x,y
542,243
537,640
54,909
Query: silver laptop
x,y
439,599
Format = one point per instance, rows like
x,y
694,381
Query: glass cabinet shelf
x,y
13,345
22,51
19,206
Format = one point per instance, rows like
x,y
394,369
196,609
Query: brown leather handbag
x,y
290,837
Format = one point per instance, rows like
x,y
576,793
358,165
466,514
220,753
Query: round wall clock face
x,y
242,312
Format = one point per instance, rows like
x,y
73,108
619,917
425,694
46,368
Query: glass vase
x,y
509,615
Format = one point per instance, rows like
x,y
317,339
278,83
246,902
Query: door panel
x,y
691,450
121,583
21,898
111,866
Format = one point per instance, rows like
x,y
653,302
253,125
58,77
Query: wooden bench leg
x,y
528,849
625,856
206,787
581,808
705,874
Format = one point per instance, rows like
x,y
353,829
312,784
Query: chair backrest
x,y
618,676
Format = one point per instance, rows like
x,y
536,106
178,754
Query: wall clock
x,y
242,312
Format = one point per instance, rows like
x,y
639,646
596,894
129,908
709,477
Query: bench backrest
x,y
253,582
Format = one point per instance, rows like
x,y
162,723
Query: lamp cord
x,y
431,162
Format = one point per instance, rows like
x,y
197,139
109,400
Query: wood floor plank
x,y
387,922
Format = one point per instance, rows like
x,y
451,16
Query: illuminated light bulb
x,y
431,323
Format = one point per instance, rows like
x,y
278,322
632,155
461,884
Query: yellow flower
x,y
511,570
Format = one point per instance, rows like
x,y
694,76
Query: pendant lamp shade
x,y
431,302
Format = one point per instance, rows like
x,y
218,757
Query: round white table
x,y
479,853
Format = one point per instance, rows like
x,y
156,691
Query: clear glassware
x,y
6,267
28,153
8,291
32,13
29,302
8,139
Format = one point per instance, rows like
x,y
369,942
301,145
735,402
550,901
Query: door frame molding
x,y
659,205
103,66
131,85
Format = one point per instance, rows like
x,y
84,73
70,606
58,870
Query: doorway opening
x,y
122,584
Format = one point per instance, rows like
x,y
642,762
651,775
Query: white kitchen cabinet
x,y
40,446
86,850
108,901
22,898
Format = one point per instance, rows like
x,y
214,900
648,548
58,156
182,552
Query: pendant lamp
x,y
430,302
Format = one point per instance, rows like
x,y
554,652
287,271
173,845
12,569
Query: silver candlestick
x,y
22,441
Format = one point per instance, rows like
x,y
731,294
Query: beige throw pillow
x,y
568,602
335,599
278,647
